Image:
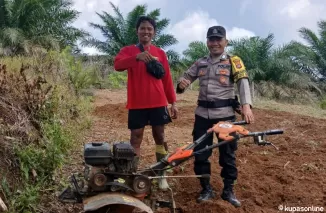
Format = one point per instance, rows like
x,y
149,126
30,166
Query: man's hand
x,y
247,113
184,83
144,56
174,111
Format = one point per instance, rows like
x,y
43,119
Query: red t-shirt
x,y
143,89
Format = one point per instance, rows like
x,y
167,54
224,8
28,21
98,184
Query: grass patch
x,y
190,96
323,104
312,110
44,115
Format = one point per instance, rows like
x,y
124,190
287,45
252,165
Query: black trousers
x,y
227,151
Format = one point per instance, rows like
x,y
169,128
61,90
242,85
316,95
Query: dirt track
x,y
293,176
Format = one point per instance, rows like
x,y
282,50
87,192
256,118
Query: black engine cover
x,y
123,151
97,154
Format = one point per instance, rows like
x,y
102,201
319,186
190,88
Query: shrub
x,y
41,116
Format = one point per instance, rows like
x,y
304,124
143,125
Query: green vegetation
x,y
41,119
120,31
44,79
323,103
293,72
28,26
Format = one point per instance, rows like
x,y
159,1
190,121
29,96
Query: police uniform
x,y
216,103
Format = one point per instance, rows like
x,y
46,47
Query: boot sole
x,y
208,200
235,205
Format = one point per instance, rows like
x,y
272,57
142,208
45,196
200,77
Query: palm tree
x,y
275,69
266,63
317,47
3,13
27,24
255,53
120,31
195,50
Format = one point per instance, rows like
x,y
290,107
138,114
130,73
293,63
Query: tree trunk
x,y
3,207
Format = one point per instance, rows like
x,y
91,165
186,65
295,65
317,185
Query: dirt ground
x,y
293,176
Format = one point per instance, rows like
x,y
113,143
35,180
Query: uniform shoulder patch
x,y
238,68
237,63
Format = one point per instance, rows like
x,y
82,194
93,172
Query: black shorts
x,y
139,118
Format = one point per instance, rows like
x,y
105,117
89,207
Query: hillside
x,y
294,175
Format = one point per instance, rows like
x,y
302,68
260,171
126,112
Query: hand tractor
x,y
112,183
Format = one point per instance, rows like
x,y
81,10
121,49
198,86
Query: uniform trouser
x,y
226,151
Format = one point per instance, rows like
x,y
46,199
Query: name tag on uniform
x,y
224,66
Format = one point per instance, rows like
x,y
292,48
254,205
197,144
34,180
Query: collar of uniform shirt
x,y
216,59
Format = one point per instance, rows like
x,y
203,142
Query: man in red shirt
x,y
147,96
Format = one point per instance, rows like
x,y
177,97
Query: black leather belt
x,y
217,104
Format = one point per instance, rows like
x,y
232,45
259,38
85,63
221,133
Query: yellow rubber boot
x,y
160,154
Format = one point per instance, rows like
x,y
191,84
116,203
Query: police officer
x,y
218,73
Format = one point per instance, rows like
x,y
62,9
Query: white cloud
x,y
91,51
244,5
294,9
236,33
282,17
145,1
194,28
287,17
88,9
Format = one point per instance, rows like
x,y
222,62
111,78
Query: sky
x,y
190,19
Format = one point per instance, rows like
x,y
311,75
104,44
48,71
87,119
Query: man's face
x,y
216,45
145,32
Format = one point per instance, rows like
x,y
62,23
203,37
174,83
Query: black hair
x,y
145,18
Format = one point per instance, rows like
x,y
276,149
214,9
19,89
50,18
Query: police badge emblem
x,y
223,79
237,63
202,72
239,70
223,72
223,76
